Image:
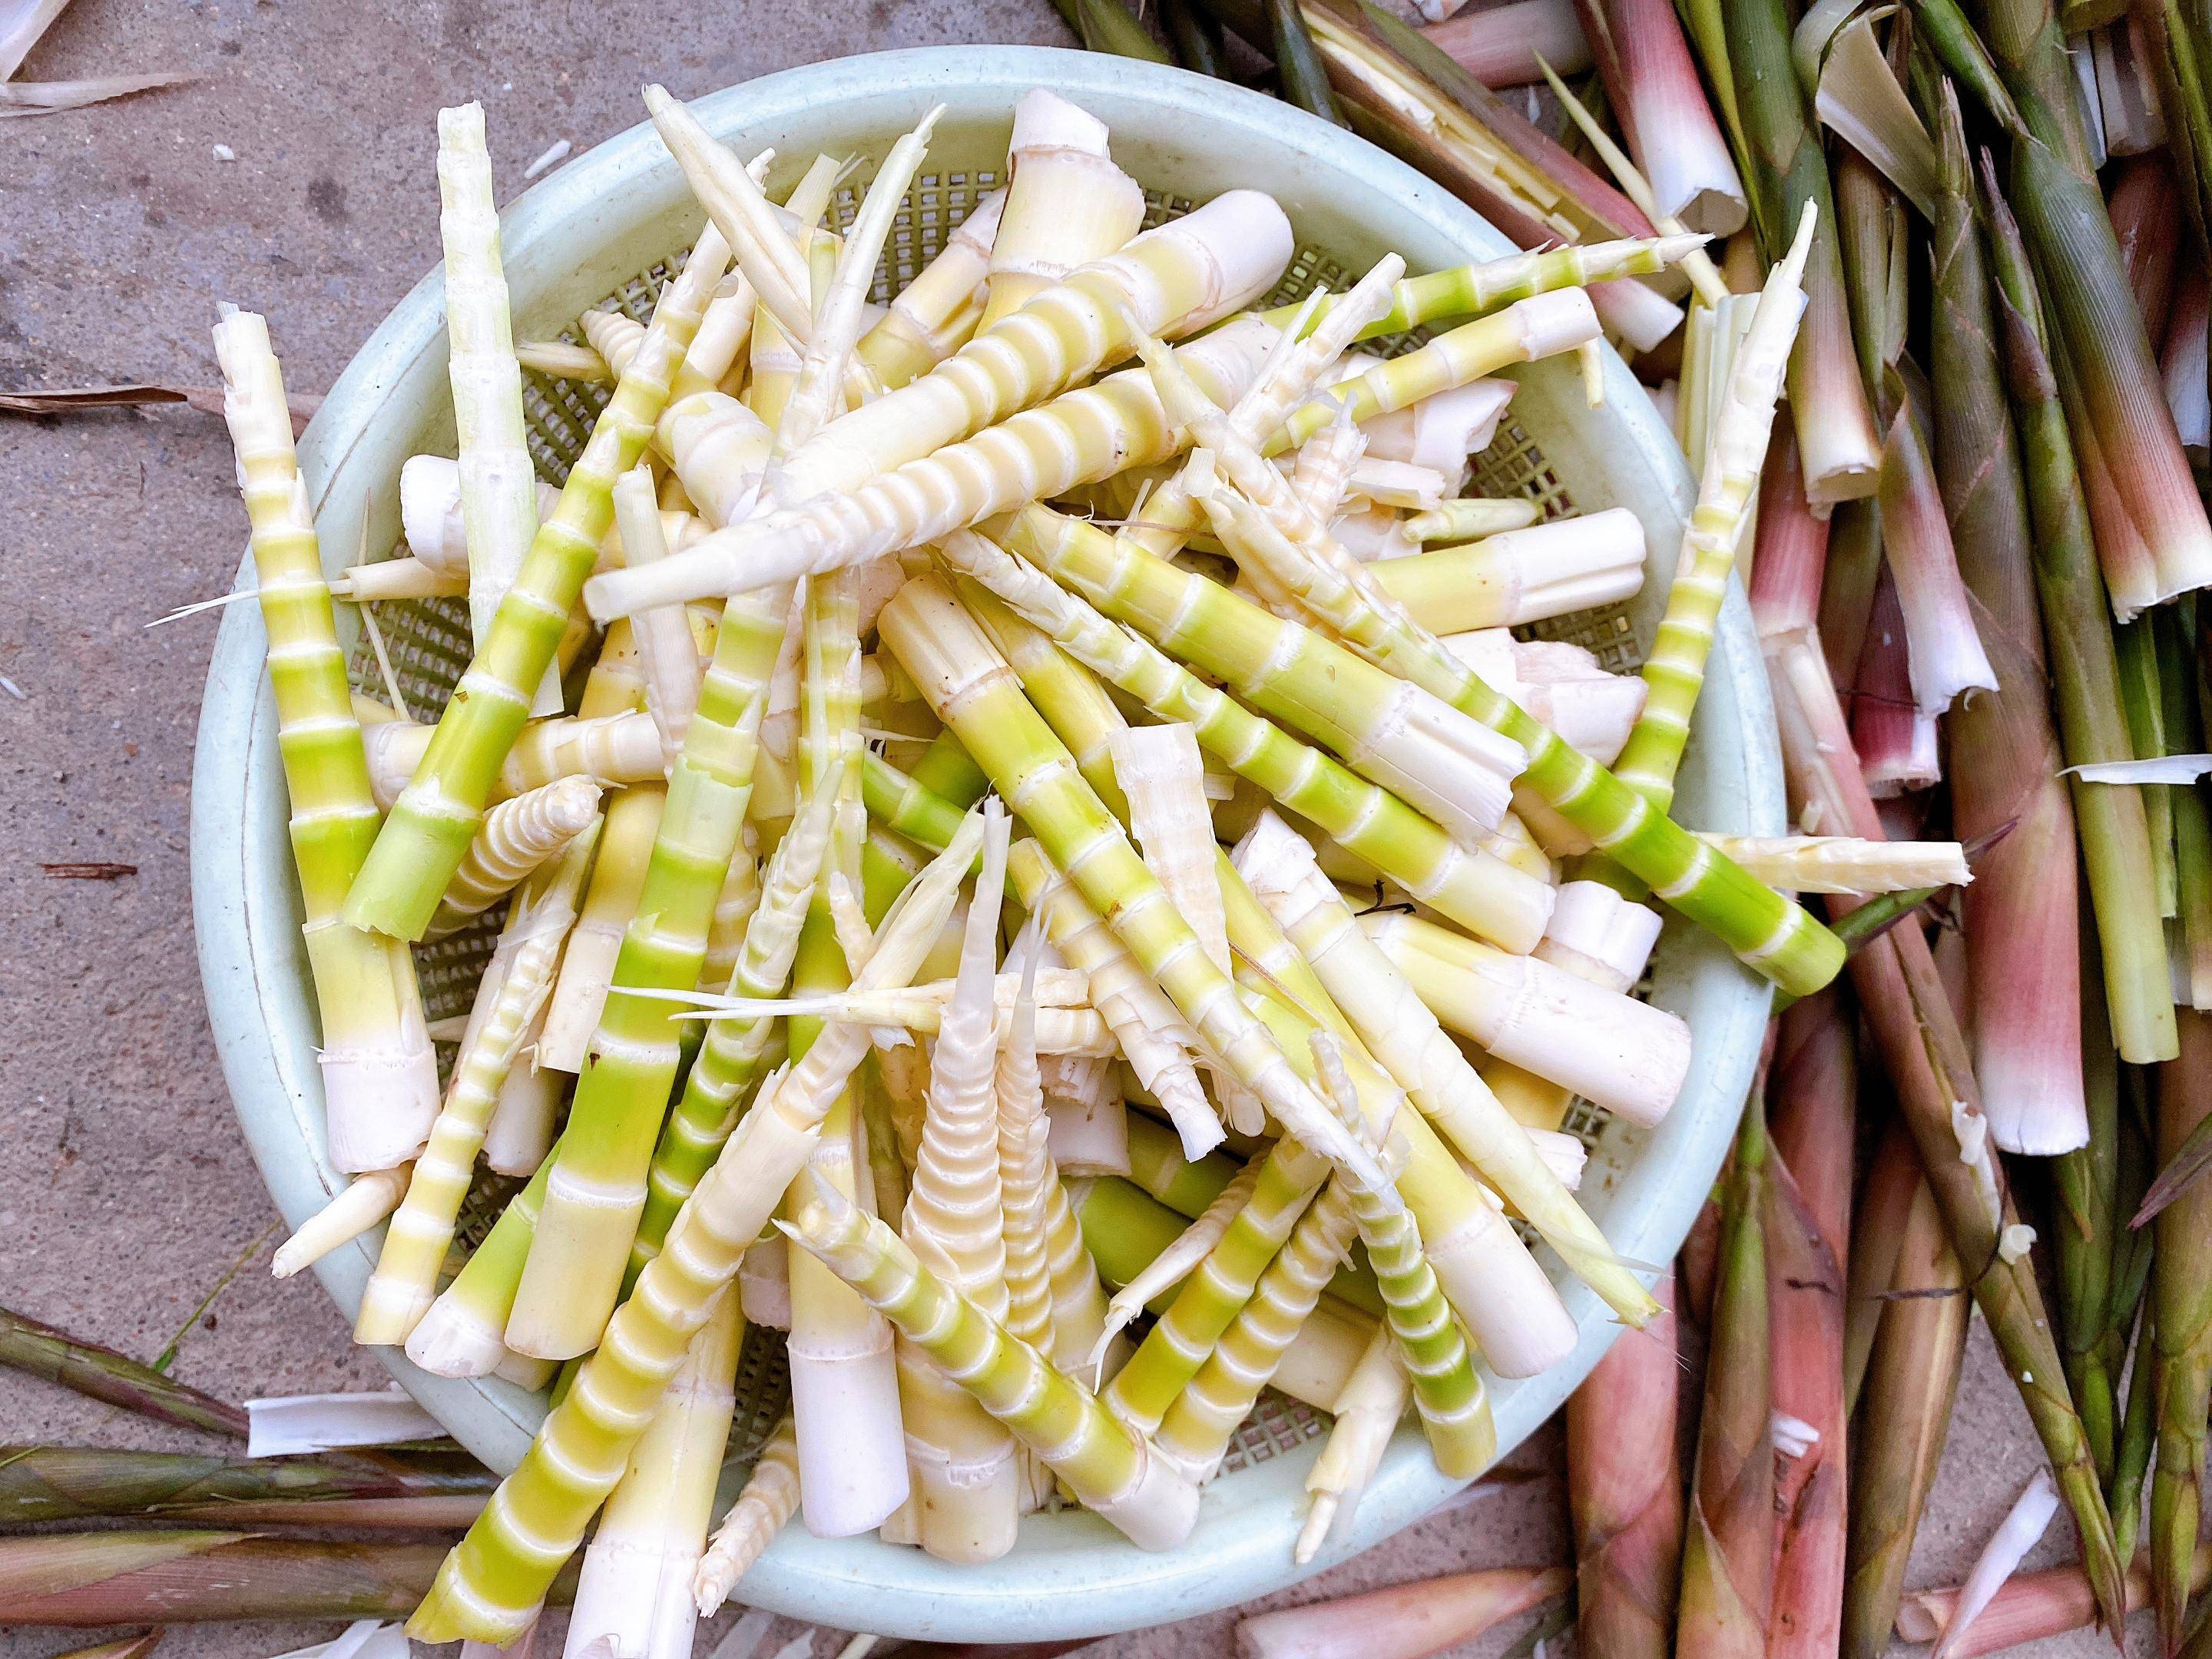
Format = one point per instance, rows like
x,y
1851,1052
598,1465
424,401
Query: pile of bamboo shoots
x,y
1978,543
1034,862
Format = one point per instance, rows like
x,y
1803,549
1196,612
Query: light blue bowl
x,y
596,224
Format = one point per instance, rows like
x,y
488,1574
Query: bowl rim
x,y
1070,1576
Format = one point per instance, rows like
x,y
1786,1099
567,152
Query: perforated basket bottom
x,y
427,645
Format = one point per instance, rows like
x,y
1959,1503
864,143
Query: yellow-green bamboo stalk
x,y
1453,1404
436,816
1390,732
398,1293
1474,888
634,1596
1766,930
1401,1033
1110,1470
939,311
462,1334
1196,1430
1674,671
1142,1391
1077,438
734,1053
1541,325
588,966
1487,285
767,1500
518,835
1176,1262
1172,280
1512,1310
966,1478
597,1188
613,750
1068,203
380,1073
488,1588
972,690
499,485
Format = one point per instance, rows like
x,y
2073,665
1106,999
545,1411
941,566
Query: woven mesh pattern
x,y
426,645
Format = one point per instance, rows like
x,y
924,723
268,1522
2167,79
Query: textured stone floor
x,y
125,1190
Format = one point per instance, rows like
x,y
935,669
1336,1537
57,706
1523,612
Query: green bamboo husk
x,y
86,1368
2181,1329
1109,27
1787,170
1194,36
180,1577
2137,1438
2108,363
1924,1054
1298,62
2085,1217
70,1483
1904,1413
2085,671
2144,706
1884,1199
1728,1549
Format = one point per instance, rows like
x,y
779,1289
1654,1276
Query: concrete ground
x,y
126,1195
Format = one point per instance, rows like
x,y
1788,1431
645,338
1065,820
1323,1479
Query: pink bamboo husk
x,y
2146,215
1406,1621
2023,945
1624,1491
1499,45
2183,365
1944,653
2031,1606
1813,1091
1896,742
1651,82
1788,584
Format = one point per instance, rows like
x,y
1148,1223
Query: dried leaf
x,y
88,871
140,394
19,98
